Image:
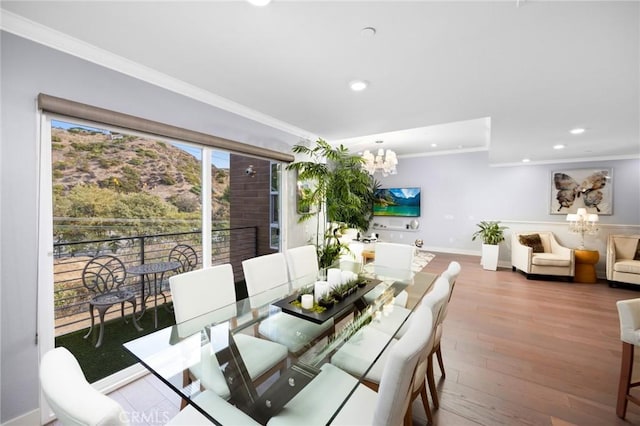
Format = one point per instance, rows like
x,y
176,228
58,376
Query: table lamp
x,y
582,223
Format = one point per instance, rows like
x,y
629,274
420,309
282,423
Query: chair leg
x,y
133,315
626,369
432,382
186,381
440,363
408,418
92,321
101,312
425,403
122,312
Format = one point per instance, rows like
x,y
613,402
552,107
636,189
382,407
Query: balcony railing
x,y
230,245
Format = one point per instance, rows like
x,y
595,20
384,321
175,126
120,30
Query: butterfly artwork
x,y
586,188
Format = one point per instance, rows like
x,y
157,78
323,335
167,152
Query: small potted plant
x,y
327,301
361,281
339,292
491,234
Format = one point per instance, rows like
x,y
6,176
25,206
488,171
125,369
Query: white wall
x,y
28,69
460,190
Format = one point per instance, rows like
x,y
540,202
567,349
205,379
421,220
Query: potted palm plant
x,y
340,195
491,234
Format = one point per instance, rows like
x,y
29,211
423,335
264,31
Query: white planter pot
x,y
489,259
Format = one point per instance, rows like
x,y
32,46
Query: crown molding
x,y
38,33
568,160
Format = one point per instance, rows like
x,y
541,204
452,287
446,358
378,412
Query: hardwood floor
x,y
516,352
528,352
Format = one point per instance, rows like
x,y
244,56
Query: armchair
x,y
623,259
541,256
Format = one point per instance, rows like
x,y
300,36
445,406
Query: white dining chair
x,y
393,261
207,296
357,354
76,403
397,318
267,272
320,399
629,317
451,274
302,264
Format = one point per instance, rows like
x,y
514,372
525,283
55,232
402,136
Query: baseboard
x,y
29,419
452,250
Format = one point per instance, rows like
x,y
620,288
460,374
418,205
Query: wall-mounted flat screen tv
x,y
397,202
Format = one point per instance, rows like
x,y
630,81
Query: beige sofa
x,y
553,260
621,266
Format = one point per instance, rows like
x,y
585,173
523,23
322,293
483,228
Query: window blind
x,y
100,115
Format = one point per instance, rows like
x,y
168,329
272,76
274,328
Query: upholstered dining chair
x,y
317,402
76,403
268,272
451,274
629,316
397,318
356,355
393,260
302,264
199,292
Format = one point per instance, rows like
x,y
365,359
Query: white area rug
x,y
420,260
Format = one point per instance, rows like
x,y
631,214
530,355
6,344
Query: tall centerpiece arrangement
x,y
339,195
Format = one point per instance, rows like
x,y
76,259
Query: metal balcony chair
x,y
103,276
187,257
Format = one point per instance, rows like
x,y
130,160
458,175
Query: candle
x,y
307,301
320,289
334,277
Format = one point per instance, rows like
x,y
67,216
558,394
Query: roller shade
x,y
100,115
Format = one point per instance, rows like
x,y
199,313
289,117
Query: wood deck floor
x,y
516,352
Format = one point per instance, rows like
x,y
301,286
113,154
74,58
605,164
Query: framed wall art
x,y
587,188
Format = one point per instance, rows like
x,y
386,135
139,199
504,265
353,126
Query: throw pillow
x,y
533,241
637,256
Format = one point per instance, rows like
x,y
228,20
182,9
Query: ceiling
x,y
510,77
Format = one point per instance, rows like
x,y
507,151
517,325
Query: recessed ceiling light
x,y
433,145
368,32
577,131
259,2
525,160
559,146
358,85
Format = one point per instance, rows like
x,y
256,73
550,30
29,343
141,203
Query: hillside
x,y
132,164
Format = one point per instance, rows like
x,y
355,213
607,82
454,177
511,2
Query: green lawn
x,y
111,357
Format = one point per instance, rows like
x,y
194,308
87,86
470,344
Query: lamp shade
x,y
592,217
572,217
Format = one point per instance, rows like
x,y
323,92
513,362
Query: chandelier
x,y
385,161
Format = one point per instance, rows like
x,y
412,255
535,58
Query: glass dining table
x,y
209,342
